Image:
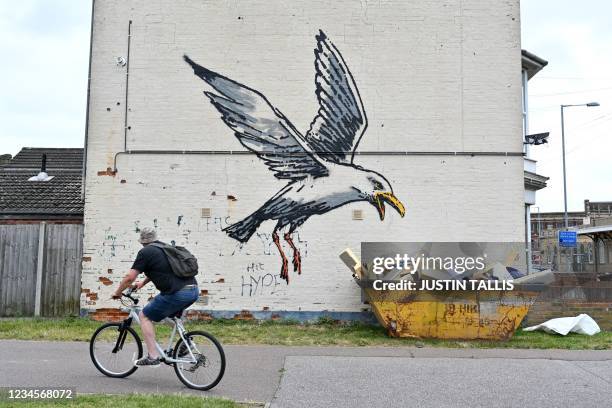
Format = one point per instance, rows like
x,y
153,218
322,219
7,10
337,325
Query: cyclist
x,y
176,293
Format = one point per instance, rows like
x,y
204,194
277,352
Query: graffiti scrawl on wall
x,y
319,165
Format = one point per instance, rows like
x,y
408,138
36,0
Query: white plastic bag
x,y
582,324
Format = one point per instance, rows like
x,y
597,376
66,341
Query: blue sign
x,y
567,239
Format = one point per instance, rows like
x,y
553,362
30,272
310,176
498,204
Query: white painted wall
x,y
434,76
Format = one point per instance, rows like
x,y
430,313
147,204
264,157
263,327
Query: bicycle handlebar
x,y
128,294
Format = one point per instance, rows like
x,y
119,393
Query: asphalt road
x,y
443,382
343,376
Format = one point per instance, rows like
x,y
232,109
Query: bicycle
x,y
114,347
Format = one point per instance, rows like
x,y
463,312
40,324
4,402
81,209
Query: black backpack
x,y
182,262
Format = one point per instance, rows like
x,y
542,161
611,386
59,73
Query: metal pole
x,y
127,86
565,219
570,259
564,174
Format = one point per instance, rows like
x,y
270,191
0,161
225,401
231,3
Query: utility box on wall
x,y
427,94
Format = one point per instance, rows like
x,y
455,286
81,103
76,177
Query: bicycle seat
x,y
178,314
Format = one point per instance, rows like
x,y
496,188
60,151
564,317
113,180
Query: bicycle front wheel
x,y
114,349
201,362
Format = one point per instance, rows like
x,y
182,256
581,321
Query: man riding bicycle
x,y
176,293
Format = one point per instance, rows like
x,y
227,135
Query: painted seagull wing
x,y
341,120
260,127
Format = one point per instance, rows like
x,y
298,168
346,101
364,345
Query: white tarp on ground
x,y
582,324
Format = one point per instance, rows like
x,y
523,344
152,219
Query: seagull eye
x,y
377,184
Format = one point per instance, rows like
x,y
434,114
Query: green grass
x,y
291,333
136,401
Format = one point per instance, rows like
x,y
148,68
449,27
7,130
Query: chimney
x,y
42,176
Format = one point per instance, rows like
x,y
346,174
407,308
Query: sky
x,y
43,74
576,40
43,86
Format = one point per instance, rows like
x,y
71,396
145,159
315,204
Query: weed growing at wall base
x,y
323,333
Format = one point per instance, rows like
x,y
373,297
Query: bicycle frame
x,y
177,328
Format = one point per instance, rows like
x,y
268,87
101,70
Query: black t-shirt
x,y
152,261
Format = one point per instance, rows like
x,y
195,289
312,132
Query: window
x,y
601,252
580,254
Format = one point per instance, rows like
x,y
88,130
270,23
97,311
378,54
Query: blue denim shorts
x,y
164,305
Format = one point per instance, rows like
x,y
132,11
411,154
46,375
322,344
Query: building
x,y
440,84
594,228
5,158
53,199
584,274
41,232
531,65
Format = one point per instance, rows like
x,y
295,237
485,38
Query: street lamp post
x,y
565,217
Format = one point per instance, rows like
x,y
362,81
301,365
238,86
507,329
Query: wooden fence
x,y
40,269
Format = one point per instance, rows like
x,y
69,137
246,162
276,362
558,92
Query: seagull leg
x,y
297,259
285,268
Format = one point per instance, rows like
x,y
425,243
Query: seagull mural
x,y
319,166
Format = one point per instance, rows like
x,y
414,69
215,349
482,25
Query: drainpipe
x,y
127,86
248,152
359,153
84,172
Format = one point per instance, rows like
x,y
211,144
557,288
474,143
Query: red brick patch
x,y
244,315
107,172
105,281
198,315
108,315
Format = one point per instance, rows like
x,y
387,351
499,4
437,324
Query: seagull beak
x,y
379,201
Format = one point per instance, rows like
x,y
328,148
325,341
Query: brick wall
x,y
571,296
433,76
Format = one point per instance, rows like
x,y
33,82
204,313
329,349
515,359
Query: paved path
x,y
443,382
344,376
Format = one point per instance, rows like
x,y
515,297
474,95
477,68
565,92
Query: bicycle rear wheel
x,y
114,349
209,367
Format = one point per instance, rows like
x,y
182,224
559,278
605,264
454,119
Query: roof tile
x,y
59,196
